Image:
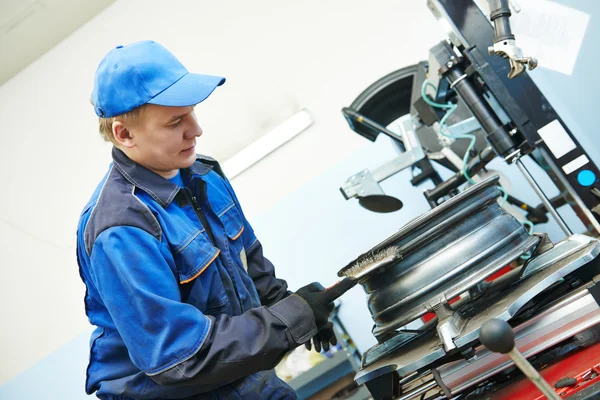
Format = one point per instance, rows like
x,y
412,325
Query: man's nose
x,y
194,131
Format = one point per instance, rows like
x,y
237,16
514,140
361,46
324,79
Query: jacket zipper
x,y
200,215
204,221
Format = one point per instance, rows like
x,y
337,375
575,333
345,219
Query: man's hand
x,y
319,302
323,338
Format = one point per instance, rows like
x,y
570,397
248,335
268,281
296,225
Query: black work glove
x,y
319,301
323,338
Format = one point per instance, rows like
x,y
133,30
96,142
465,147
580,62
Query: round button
x,y
586,178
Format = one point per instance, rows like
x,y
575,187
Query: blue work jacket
x,y
185,303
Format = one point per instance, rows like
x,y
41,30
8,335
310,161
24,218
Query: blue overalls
x,y
186,305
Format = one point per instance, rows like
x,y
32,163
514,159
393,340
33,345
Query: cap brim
x,y
191,89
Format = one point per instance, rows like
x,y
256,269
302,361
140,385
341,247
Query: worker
x,y
184,302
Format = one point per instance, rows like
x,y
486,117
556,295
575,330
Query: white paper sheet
x,y
550,32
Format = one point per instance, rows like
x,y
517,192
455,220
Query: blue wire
x,y
529,224
504,197
428,100
451,108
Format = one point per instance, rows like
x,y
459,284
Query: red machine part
x,y
583,365
584,381
430,315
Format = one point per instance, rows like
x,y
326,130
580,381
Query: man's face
x,y
164,139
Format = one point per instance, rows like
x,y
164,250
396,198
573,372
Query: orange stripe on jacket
x,y
203,268
239,234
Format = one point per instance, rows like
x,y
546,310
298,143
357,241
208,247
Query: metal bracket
x,y
464,127
450,324
360,185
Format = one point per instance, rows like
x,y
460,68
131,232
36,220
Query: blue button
x,y
119,46
586,178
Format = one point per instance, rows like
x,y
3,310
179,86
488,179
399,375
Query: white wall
x,y
278,57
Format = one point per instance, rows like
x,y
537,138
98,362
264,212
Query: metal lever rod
x,y
498,336
419,390
532,374
544,199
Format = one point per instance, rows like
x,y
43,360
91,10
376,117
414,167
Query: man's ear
x,y
122,135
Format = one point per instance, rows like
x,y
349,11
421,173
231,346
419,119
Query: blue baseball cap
x,y
146,72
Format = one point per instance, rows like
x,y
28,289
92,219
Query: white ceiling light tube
x,y
267,144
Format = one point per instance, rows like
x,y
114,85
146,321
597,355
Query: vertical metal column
x,y
544,199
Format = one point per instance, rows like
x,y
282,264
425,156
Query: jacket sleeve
x,y
173,341
270,288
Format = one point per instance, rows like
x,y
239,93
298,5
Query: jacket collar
x,y
160,189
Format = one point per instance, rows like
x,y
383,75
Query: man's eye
x,y
176,124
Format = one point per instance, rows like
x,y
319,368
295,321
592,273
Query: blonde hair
x,y
131,117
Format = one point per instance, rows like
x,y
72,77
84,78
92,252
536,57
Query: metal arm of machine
x,y
504,40
476,165
365,184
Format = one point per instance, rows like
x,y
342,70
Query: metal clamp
x,y
508,49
